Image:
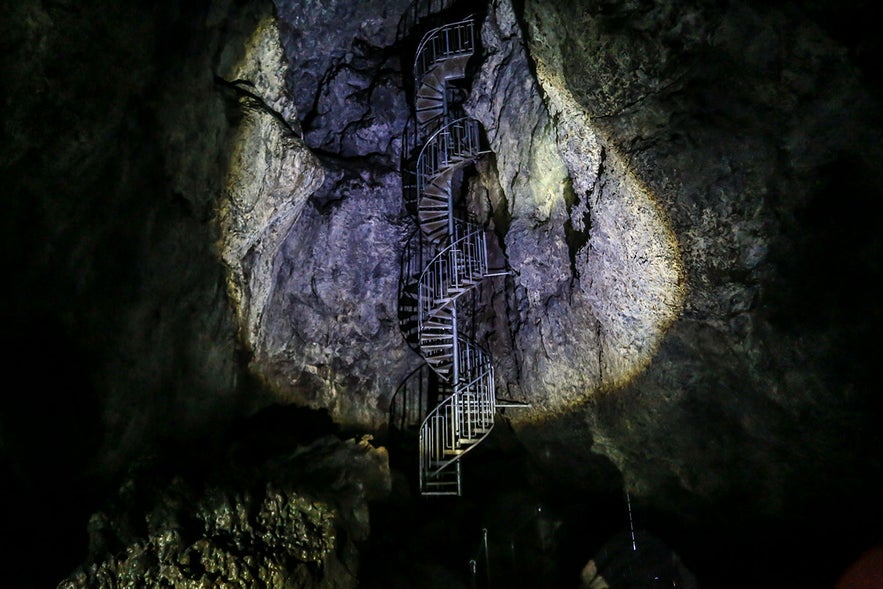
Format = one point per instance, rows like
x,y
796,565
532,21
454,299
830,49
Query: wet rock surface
x,y
271,513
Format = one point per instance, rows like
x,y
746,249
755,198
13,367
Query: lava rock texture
x,y
733,116
205,219
266,526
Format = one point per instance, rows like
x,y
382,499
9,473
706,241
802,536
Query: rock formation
x,y
205,220
270,526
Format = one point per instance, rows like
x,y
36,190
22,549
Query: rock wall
x,y
245,525
597,270
731,118
125,154
270,174
330,337
208,195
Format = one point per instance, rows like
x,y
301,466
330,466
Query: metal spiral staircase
x,y
452,396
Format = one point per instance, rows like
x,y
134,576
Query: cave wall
x,y
682,195
331,337
733,116
117,158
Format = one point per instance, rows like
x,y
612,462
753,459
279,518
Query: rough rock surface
x,y
270,175
735,149
683,189
331,336
266,526
597,269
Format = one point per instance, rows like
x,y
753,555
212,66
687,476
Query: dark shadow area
x,y
828,276
540,531
274,430
764,552
826,291
49,428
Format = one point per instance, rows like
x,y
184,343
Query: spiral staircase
x,y
452,396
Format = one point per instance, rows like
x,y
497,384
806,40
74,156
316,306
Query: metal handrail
x,y
466,416
445,275
478,419
457,139
455,43
463,428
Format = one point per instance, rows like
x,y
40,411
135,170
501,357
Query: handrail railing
x,y
467,414
459,139
443,42
477,390
462,262
410,268
462,368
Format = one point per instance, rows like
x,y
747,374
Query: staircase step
x,y
439,485
434,233
428,97
427,115
441,191
433,196
433,218
479,435
429,123
442,175
434,212
427,217
482,430
436,349
448,68
433,80
434,228
435,333
438,332
453,451
439,360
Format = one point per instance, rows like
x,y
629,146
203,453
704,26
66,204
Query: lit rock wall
x,y
597,270
330,335
729,121
270,175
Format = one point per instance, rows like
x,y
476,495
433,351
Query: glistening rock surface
x,y
245,526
